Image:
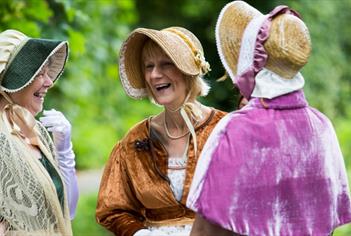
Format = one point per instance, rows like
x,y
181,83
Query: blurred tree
x,y
93,96
20,14
325,72
93,99
327,86
89,92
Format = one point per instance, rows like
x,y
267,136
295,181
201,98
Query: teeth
x,y
162,86
40,95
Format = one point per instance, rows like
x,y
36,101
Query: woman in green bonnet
x,y
38,184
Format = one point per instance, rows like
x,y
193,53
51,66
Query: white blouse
x,y
176,175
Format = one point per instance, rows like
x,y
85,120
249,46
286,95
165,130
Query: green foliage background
x,y
91,96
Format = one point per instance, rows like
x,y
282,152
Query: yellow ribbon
x,y
195,112
22,123
190,127
198,55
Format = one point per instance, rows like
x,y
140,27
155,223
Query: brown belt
x,y
176,215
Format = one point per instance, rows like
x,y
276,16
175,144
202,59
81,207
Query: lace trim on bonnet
x,y
135,93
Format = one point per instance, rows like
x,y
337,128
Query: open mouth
x,y
161,87
40,95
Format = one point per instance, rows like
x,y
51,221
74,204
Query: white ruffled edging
x,y
128,88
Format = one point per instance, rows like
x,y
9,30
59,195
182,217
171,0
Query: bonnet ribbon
x,y
246,80
22,122
196,114
199,58
190,108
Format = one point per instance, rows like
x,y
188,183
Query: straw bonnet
x,y
182,46
22,58
281,42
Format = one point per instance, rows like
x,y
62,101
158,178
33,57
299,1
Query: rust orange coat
x,y
135,191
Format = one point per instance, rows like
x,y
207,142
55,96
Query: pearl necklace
x,y
169,134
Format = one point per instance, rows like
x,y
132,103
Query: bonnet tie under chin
x,y
190,108
21,121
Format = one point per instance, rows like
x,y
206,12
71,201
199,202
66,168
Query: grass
x,y
344,230
84,224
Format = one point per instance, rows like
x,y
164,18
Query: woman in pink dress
x,y
275,166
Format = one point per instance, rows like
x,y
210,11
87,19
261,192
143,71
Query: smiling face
x,y
164,80
32,96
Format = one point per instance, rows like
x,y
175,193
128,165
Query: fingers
x,y
51,112
59,129
56,127
55,120
52,115
50,120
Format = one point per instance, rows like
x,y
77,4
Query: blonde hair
x,y
196,85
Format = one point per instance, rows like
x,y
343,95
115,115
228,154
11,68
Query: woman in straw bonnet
x,y
147,178
38,188
275,166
